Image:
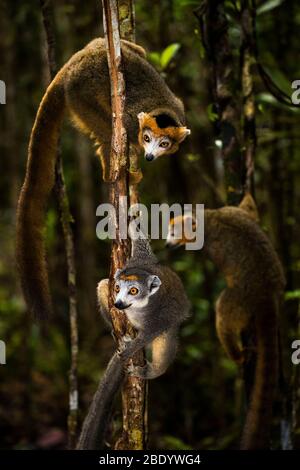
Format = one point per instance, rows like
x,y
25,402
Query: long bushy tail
x,y
256,434
39,181
95,424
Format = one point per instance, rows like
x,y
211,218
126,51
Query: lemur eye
x,y
117,289
133,291
164,144
146,138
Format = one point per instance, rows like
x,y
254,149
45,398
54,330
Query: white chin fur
x,y
138,304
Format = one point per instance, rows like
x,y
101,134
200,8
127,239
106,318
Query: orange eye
x,y
117,289
146,138
133,291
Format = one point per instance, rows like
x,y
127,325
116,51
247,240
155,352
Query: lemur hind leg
x,y
232,319
164,349
91,118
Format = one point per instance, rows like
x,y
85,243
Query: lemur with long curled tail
x,y
155,303
154,119
250,303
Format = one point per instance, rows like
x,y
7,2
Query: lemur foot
x,y
135,176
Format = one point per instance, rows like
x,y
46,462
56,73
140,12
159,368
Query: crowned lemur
x,y
154,119
249,305
155,303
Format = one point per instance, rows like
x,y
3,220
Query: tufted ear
x,y
145,120
154,284
142,117
182,133
117,274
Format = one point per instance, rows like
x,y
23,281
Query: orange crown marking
x,y
129,277
173,132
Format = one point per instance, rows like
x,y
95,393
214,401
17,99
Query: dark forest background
x,y
199,402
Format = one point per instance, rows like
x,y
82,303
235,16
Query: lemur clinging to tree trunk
x,y
155,303
154,119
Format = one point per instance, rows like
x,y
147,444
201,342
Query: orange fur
x,y
175,133
130,277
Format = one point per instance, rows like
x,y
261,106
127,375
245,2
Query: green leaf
x,y
270,5
212,115
292,294
154,57
174,443
168,54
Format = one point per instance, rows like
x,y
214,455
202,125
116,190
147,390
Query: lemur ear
x,y
182,133
154,284
142,117
191,218
117,274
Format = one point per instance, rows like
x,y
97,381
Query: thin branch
x,y
66,220
248,17
214,29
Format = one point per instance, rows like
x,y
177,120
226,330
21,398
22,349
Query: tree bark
x,y
133,393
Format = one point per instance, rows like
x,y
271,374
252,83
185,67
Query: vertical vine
x,y
66,220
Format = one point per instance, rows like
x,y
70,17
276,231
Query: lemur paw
x,y
137,371
123,350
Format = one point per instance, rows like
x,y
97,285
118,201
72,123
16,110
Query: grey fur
x,y
157,324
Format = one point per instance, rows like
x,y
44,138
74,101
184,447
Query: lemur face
x,y
157,141
181,231
132,292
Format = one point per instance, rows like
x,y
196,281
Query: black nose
x,y
172,246
149,157
119,304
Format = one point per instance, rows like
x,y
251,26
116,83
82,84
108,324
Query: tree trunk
x,y
133,393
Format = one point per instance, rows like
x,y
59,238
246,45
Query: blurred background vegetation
x,y
199,402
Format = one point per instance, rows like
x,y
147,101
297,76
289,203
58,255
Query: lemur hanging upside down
x,y
154,119
155,303
250,303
